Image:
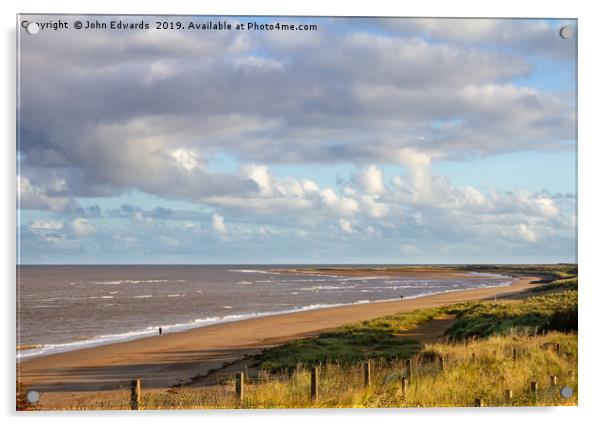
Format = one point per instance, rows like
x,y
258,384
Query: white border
x,y
589,211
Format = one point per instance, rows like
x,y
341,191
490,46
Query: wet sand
x,y
177,358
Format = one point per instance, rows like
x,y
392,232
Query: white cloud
x,y
50,231
526,233
345,226
219,227
309,185
373,208
42,226
185,159
35,197
82,227
339,205
370,180
260,175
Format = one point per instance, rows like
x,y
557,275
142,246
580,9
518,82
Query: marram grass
x,y
480,369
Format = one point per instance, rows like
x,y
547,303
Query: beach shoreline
x,y
172,359
438,273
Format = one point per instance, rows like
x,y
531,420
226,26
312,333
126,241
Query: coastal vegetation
x,y
496,371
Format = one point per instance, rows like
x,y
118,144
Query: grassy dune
x,y
484,369
372,339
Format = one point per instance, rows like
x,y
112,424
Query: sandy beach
x,y
178,357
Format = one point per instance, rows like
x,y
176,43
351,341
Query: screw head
x,y
32,28
566,32
33,396
566,392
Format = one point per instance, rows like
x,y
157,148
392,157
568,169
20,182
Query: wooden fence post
x,y
553,381
404,384
442,360
572,376
135,394
367,374
408,366
509,395
478,402
558,348
240,385
514,354
534,390
314,383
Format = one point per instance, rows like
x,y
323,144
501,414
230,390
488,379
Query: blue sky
x,y
367,141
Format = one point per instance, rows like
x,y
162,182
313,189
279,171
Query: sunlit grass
x,y
484,369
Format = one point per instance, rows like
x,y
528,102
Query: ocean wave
x,y
244,282
252,271
320,288
133,281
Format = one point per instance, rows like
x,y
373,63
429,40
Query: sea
x,y
62,308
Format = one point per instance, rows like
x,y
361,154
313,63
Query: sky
x,y
369,140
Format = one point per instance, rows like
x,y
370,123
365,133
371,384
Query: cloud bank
x,y
103,115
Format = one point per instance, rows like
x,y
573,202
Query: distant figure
x,y
160,330
401,296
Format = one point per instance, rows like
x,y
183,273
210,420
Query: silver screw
x,y
33,28
566,32
566,392
33,396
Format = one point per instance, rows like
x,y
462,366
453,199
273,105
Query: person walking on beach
x,y
160,330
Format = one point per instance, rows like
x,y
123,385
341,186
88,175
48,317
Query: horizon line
x,y
297,264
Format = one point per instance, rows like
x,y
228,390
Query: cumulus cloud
x,y
370,180
345,226
36,197
341,205
82,227
47,231
526,233
219,227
